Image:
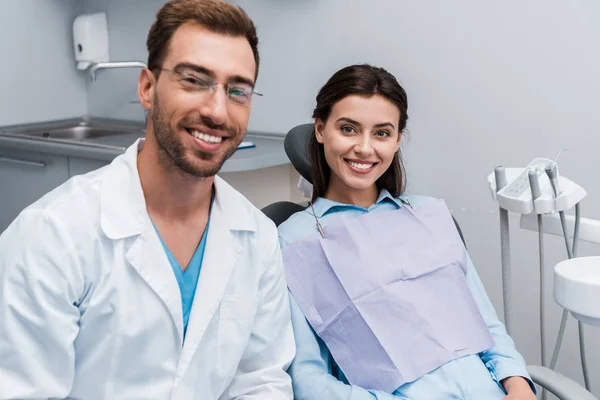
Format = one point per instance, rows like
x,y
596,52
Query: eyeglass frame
x,y
212,87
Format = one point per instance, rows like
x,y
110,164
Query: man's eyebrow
x,y
241,79
203,70
196,68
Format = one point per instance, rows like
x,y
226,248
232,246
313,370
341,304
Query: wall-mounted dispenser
x,y
90,39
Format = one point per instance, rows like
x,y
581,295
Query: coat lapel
x,y
150,261
123,215
220,256
229,216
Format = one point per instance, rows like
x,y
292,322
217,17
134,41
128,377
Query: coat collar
x,y
123,207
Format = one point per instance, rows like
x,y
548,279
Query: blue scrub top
x,y
315,372
188,279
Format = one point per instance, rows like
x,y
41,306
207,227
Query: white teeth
x,y
360,165
205,137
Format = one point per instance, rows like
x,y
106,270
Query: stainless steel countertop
x,y
267,153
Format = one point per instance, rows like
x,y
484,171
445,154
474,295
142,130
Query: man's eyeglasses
x,y
239,93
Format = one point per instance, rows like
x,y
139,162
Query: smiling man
x,y
152,278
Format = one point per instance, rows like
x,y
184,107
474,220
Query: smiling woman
x,y
358,152
360,115
385,301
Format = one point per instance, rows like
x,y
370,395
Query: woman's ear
x,y
399,141
319,126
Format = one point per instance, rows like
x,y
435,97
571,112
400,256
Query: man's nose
x,y
214,106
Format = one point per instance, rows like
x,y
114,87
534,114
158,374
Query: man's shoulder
x,y
73,202
66,215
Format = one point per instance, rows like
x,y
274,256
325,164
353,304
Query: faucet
x,y
114,64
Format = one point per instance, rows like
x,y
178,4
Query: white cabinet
x,y
24,178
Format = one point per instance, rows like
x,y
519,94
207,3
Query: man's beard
x,y
196,162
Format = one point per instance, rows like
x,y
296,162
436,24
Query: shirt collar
x,y
323,206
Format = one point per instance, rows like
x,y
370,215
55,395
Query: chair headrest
x,y
296,148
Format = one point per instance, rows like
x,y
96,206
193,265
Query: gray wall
x,y
489,83
114,93
38,78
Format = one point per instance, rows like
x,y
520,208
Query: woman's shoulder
x,y
302,223
299,225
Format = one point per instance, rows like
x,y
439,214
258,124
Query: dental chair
x,y
296,146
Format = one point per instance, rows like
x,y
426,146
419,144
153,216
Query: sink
x,y
78,132
73,130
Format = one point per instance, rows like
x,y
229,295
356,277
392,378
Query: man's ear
x,y
146,88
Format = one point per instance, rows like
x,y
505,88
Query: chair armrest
x,y
559,385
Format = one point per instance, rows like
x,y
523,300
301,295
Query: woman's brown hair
x,y
363,80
